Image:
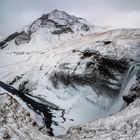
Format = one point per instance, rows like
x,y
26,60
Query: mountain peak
x,y
61,17
56,20
57,11
54,23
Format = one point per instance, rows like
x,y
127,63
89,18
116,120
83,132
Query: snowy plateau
x,y
63,78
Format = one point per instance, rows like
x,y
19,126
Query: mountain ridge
x,y
53,24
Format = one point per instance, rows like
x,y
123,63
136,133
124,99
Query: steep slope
x,y
49,31
78,67
15,121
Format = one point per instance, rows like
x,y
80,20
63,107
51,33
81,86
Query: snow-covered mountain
x,y
49,31
69,72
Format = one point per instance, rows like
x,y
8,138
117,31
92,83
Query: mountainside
x,y
49,31
64,72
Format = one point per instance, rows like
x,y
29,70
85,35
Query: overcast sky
x,y
15,14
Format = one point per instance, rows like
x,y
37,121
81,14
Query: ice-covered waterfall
x,y
90,106
128,81
130,78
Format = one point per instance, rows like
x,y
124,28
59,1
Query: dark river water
x,y
38,107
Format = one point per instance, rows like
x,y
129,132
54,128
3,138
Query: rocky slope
x,y
84,70
16,122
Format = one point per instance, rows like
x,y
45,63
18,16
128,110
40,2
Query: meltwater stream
x,y
86,106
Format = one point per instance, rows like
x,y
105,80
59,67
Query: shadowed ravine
x,y
46,108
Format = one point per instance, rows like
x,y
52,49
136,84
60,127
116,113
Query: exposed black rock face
x,y
44,21
130,98
134,91
120,64
41,23
9,38
62,31
69,79
99,73
22,38
23,88
60,26
107,42
44,17
45,111
106,71
15,79
86,54
85,27
133,95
